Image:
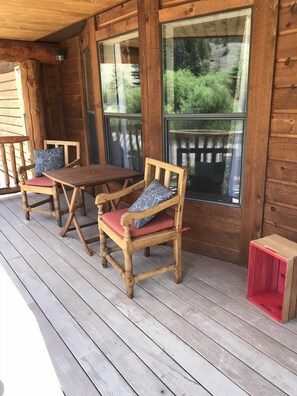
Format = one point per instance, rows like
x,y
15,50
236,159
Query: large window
x,y
205,69
120,85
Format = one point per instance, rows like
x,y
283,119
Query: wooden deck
x,y
197,338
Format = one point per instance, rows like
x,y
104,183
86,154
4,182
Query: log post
x,y
150,71
33,103
96,81
19,51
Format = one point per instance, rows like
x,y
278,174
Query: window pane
x,y
119,66
212,152
205,64
124,142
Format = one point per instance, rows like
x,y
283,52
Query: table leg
x,y
114,204
71,218
71,206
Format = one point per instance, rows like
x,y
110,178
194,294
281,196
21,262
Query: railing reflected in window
x,y
212,153
205,82
120,87
124,142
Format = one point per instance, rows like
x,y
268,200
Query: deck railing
x,y
12,154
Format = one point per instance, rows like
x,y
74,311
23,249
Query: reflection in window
x,y
205,78
120,87
212,153
120,74
125,148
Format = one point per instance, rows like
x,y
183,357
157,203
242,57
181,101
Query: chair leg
x,y
146,252
51,203
82,202
57,207
129,277
177,259
26,206
103,248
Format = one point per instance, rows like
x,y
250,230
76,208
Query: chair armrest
x,y
128,217
24,169
105,197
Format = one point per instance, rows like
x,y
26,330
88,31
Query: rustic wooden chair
x,y
119,224
44,185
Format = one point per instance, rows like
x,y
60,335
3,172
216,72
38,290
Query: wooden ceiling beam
x,y
20,51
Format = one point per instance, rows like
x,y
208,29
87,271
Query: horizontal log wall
x,y
11,112
280,215
11,117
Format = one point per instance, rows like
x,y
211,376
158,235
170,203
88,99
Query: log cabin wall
x,y
11,108
53,106
72,94
12,122
215,230
280,215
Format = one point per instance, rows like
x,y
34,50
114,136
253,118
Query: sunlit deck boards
x,y
200,337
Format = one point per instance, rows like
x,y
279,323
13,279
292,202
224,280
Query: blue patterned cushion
x,y
154,194
48,160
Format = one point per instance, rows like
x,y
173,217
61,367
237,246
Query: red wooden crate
x,y
272,279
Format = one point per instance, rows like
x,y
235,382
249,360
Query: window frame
x,y
108,115
167,117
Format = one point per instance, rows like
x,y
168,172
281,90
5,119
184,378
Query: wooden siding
x,y
72,94
263,45
215,230
11,112
117,20
281,185
53,102
11,119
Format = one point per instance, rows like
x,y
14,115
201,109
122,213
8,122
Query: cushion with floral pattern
x,y
50,159
154,194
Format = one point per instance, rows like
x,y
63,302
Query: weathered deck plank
x,y
72,376
200,337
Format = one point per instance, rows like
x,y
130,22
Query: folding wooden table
x,y
84,176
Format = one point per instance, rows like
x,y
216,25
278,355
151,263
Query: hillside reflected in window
x,y
205,79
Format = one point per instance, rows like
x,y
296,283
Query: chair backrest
x,y
71,149
171,176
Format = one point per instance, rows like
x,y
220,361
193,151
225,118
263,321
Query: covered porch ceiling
x,y
35,20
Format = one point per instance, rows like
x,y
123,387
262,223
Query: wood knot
x,y
288,61
272,209
293,8
190,10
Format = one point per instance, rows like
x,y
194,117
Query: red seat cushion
x,y
42,181
159,223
